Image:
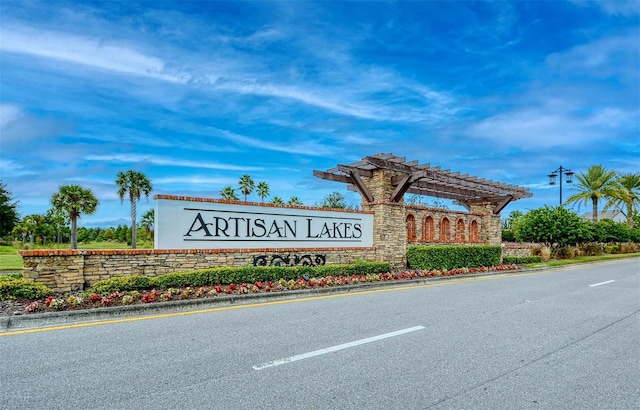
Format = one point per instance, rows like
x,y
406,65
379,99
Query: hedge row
x,y
12,288
228,275
521,260
452,257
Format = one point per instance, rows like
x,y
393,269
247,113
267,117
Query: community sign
x,y
197,223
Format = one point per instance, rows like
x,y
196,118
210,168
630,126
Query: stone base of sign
x,y
518,251
74,270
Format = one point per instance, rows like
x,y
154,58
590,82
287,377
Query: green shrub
x,y
566,252
121,283
521,260
508,236
227,275
23,289
452,257
9,276
592,249
628,247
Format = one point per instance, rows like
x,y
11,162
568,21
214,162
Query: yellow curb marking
x,y
277,302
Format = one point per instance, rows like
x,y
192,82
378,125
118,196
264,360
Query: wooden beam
x,y
362,188
502,204
350,169
464,204
332,177
401,189
426,180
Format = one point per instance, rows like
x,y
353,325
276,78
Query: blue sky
x,y
196,94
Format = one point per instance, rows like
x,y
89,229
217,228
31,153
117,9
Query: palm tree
x,y
73,201
277,200
595,184
137,184
294,200
263,190
148,221
626,191
228,193
246,185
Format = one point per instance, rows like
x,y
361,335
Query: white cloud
x,y
8,114
193,180
93,52
156,160
613,7
606,57
309,148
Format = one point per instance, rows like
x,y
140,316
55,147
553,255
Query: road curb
x,y
53,319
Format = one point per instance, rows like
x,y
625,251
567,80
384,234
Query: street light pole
x,y
560,171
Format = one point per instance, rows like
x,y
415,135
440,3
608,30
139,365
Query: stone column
x,y
389,226
490,228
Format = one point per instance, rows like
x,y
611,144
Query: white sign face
x,y
196,224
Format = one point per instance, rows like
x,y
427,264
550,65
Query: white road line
x,y
601,283
335,348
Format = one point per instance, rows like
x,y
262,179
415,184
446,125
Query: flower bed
x,y
93,300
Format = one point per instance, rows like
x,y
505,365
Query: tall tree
x,y
148,221
626,192
136,184
595,184
294,200
246,185
277,200
334,200
31,225
58,223
9,217
229,194
263,190
73,201
555,227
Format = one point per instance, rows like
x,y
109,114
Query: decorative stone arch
x,y
445,230
412,235
428,229
460,231
474,231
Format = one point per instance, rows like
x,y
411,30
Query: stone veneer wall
x,y
490,231
516,250
72,270
421,212
389,229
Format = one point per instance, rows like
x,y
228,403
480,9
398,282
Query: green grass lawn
x,y
581,259
10,262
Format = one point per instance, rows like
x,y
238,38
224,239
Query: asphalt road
x,y
557,339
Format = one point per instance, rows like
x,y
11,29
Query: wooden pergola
x,y
423,179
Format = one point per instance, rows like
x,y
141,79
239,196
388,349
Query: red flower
x,y
49,300
94,297
258,285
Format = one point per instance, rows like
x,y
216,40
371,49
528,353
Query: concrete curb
x,y
65,318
